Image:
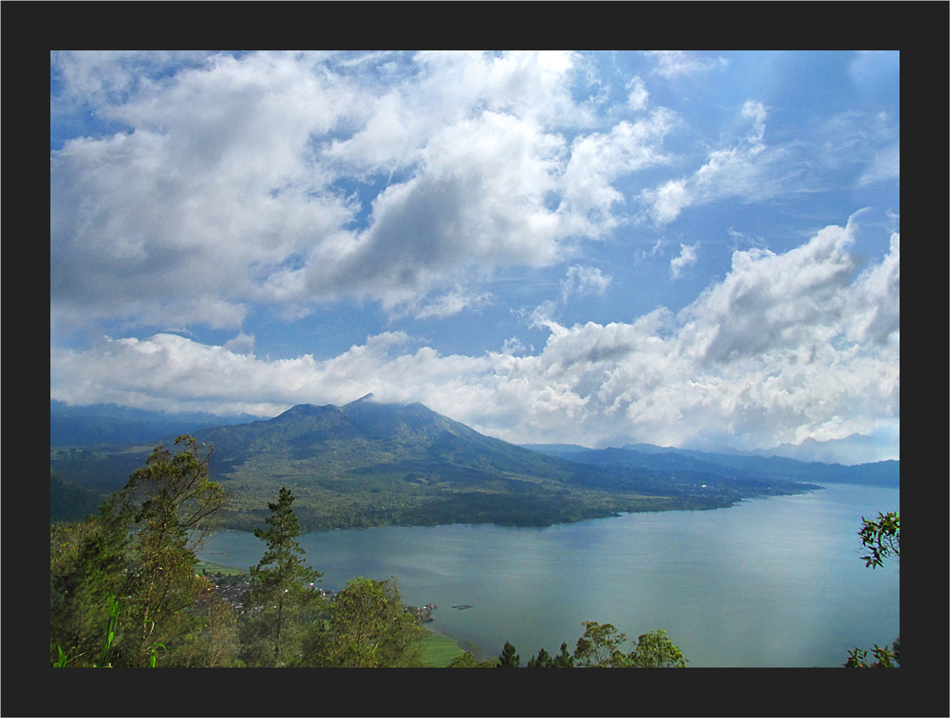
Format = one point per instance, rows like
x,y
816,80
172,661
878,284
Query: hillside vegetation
x,y
373,464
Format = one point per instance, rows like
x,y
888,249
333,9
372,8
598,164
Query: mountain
x,y
859,449
369,463
69,501
647,456
83,426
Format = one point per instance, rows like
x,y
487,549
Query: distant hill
x,y
84,426
68,501
369,463
647,456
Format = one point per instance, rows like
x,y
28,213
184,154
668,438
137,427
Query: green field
x,y
440,651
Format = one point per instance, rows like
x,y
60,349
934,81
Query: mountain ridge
x,y
369,463
880,473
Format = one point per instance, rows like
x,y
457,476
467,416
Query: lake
x,y
768,582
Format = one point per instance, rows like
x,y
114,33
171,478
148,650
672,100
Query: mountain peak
x,y
364,399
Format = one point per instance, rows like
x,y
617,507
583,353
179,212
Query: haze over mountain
x,y
113,424
647,456
369,463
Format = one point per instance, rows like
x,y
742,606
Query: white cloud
x,y
748,170
225,184
672,63
597,160
786,347
584,280
241,344
886,165
637,99
667,200
452,303
686,257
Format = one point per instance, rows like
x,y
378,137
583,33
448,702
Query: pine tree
x,y
563,659
508,658
541,660
280,597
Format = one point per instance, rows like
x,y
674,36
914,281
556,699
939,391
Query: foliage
x,y
563,659
170,503
884,658
882,538
370,464
62,660
131,567
508,658
213,642
279,598
541,660
172,494
467,660
655,650
367,626
599,647
87,564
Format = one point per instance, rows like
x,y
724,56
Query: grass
x,y
440,650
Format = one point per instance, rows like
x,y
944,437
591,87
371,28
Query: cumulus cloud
x,y
229,180
597,160
667,200
785,348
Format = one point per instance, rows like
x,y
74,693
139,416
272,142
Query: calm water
x,y
770,582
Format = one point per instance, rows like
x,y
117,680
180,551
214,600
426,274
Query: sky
x,y
691,249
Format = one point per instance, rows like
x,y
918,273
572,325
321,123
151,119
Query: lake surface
x,y
769,582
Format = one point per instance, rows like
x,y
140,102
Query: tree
x,y
599,647
87,570
508,658
123,584
467,660
169,504
367,626
883,539
563,659
280,598
545,660
655,650
541,660
214,642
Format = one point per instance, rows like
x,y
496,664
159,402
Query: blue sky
x,y
688,249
